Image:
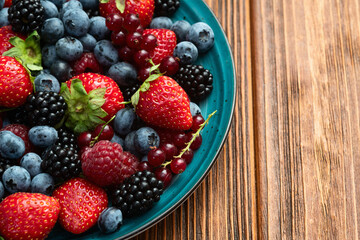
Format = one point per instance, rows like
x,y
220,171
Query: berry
x,y
45,82
32,163
114,22
104,132
48,56
50,9
106,164
118,38
26,16
180,139
61,70
90,4
131,22
197,121
16,179
12,146
161,23
42,183
61,163
202,35
88,42
163,174
4,17
126,54
145,166
110,220
197,143
6,33
129,91
98,28
92,12
181,28
69,48
106,53
84,139
81,204
178,165
186,52
123,121
2,191
194,109
188,156
43,136
149,42
166,7
66,138
123,73
21,131
169,66
142,57
76,22
169,149
143,74
196,81
129,142
45,108
5,164
69,5
156,157
52,30
134,40
87,63
145,139
137,194
33,215
58,3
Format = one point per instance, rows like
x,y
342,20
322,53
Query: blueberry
x,y
69,48
42,183
161,22
52,30
72,4
119,140
202,36
4,17
16,179
186,52
2,190
194,109
88,42
45,82
58,3
123,73
98,28
145,139
76,22
180,28
11,146
123,121
61,70
2,2
32,163
43,136
49,56
51,11
129,142
106,53
110,220
90,4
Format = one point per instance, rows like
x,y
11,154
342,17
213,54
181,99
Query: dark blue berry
x,y
45,82
51,11
110,220
72,4
202,35
12,146
161,23
194,109
98,28
88,42
42,183
43,136
106,53
2,190
123,73
123,121
49,56
145,139
4,13
69,48
180,28
186,52
76,22
52,30
58,3
32,163
61,70
16,179
119,140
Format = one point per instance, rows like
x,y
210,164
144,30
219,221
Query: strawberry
x,y
92,99
106,164
166,43
15,83
143,8
6,33
81,204
28,216
8,3
164,104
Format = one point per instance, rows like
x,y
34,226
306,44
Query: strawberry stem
x,y
95,139
194,136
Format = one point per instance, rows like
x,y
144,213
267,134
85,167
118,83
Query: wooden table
x,y
289,168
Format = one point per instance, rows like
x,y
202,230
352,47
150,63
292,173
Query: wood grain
x,y
305,58
224,206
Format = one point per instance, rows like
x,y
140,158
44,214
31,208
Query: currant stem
x,y
92,143
194,136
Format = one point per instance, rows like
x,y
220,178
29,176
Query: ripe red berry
x,y
131,22
142,57
106,134
180,139
126,54
178,165
197,121
144,166
163,174
118,38
84,139
134,40
170,150
169,65
149,42
188,156
197,143
156,157
114,22
144,73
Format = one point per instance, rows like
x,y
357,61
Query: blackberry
x,y
129,91
61,163
67,139
92,12
17,115
26,16
45,108
166,7
195,80
5,164
137,193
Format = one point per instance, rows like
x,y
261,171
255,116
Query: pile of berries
x,y
99,105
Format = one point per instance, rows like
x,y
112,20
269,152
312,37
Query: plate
x,y
220,62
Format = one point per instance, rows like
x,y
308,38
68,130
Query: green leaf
x,y
154,67
135,98
104,1
153,77
145,86
77,88
33,67
97,93
96,103
120,4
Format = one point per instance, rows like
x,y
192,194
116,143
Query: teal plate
x,y
220,62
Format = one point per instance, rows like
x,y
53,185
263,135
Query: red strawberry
x,y
28,216
8,3
143,8
15,84
6,33
22,131
81,204
166,43
106,164
165,104
92,99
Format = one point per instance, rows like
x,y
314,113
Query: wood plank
x,y
224,206
306,70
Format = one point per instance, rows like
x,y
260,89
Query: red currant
x,y
114,22
196,143
188,156
197,121
156,157
170,150
180,139
142,57
106,134
133,40
143,73
126,53
131,22
178,165
139,29
169,65
118,38
144,166
84,139
149,42
164,175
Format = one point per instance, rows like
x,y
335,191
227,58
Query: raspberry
x,y
21,131
86,63
107,164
